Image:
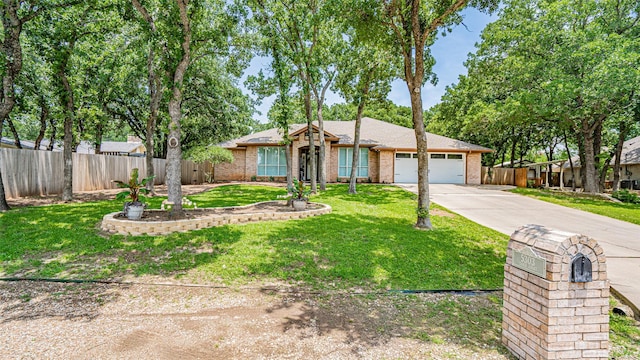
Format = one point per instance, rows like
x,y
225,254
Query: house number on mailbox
x,y
581,269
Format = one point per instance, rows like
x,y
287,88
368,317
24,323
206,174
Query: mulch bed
x,y
265,207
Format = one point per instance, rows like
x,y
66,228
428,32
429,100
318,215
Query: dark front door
x,y
305,165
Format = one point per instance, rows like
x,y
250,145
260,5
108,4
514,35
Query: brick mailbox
x,y
556,296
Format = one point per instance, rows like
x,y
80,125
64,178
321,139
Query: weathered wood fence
x,y
504,176
29,172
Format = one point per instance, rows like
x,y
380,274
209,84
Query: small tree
x,y
213,154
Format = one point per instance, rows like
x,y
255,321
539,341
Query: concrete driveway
x,y
505,212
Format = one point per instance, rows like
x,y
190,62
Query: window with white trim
x,y
345,157
272,161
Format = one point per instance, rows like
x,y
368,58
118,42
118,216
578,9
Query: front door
x,y
305,165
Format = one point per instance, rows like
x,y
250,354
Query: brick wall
x,y
234,170
332,174
251,162
386,166
474,168
552,317
374,166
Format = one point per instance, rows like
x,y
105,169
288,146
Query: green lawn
x,y
596,205
367,241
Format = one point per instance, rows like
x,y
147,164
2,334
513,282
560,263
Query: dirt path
x,y
103,321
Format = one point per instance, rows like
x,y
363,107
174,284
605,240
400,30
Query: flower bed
x,y
204,218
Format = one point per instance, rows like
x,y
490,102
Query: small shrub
x,y
254,178
626,196
298,190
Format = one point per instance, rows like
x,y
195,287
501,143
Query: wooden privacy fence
x,y
29,172
504,176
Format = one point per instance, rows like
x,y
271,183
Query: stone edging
x,y
130,227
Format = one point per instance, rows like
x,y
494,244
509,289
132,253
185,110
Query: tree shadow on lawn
x,y
353,251
351,260
63,241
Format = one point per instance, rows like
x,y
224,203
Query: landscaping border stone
x,y
114,225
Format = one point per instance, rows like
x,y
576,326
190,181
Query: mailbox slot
x,y
581,269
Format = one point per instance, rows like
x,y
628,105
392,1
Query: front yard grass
x,y
592,204
367,241
365,246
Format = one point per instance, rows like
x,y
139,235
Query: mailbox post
x,y
556,296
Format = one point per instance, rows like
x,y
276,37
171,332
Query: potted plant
x,y
299,195
133,209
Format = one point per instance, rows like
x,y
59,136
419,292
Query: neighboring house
x,y
629,161
132,147
26,144
387,155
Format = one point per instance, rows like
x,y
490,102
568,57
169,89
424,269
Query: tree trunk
x,y
424,220
54,131
174,151
99,134
155,93
174,157
356,149
322,176
312,146
155,87
287,154
68,106
3,200
44,114
320,96
573,174
356,145
14,132
622,134
590,184
513,148
11,51
600,166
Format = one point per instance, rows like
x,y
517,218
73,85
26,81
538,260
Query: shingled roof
x,y
373,133
631,152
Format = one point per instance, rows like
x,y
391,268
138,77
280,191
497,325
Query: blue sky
x,y
450,53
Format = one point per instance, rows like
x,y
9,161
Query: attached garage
x,y
443,168
406,168
388,154
446,168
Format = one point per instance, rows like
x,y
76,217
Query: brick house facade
x,y
387,155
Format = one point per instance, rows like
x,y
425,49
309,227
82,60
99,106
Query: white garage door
x,y
443,168
406,168
446,168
